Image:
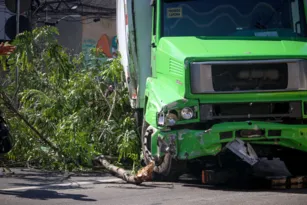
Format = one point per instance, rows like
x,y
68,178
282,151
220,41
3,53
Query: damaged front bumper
x,y
191,144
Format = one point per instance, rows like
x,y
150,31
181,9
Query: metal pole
x,y
17,32
17,16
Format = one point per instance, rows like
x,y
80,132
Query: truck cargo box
x,y
134,39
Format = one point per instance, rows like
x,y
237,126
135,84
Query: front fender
x,y
159,94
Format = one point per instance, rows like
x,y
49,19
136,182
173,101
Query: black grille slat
x,y
251,110
274,133
225,135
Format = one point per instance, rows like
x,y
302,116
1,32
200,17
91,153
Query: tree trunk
x,y
145,174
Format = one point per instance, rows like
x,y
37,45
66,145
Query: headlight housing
x,y
168,119
171,119
187,113
176,116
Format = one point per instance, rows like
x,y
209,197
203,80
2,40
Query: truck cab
x,y
209,76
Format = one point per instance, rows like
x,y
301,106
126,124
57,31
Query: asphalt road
x,y
38,188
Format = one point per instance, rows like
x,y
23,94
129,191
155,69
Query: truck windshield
x,y
262,18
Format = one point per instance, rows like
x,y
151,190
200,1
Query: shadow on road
x,y
38,175
142,186
46,195
43,178
73,185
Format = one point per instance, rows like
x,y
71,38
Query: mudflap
x,y
270,168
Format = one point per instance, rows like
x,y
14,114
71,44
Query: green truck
x,y
217,83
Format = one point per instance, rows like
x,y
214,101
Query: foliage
x,y
58,108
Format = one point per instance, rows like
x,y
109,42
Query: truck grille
x,y
248,76
245,77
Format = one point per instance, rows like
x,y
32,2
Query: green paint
x,y
196,143
169,88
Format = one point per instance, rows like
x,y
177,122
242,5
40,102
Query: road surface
x,y
39,188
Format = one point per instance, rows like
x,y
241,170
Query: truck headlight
x,y
171,119
187,113
168,119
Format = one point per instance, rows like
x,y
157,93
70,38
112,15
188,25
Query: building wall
x,y
71,34
81,35
76,34
100,34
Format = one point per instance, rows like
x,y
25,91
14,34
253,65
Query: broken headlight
x,y
176,116
168,119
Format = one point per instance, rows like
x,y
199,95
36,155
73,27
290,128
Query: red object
x,y
6,49
104,45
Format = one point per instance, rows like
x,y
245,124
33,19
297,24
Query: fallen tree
x,y
144,174
62,110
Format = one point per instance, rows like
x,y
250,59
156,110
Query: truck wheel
x,y
138,116
146,142
178,167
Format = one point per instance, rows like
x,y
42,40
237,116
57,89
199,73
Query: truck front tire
x,y
146,142
177,168
138,116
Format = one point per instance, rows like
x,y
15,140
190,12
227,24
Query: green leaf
x,y
63,98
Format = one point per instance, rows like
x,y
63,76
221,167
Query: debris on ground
x,y
144,174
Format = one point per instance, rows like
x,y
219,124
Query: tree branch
x,y
145,174
113,105
10,106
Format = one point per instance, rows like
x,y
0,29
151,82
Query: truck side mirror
x,y
153,45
